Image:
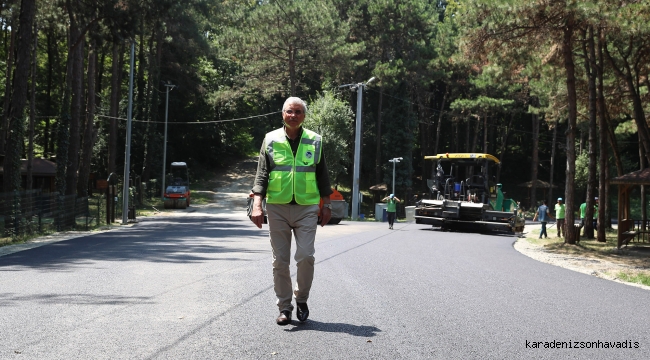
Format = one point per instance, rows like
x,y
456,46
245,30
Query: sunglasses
x,y
291,112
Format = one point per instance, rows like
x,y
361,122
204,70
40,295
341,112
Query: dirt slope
x,y
230,188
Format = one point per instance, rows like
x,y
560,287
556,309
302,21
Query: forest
x,y
557,90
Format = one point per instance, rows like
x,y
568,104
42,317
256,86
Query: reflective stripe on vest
x,y
293,177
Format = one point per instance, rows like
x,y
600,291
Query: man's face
x,y
293,116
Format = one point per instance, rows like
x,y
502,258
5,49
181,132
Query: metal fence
x,y
28,213
34,212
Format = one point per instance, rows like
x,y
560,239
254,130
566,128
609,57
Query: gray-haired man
x,y
292,175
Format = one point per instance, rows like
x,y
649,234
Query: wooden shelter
x,y
43,174
540,184
378,191
626,230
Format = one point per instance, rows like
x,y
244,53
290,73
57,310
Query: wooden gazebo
x,y
540,184
626,231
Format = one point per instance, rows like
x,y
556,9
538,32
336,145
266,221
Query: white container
x,y
379,211
410,213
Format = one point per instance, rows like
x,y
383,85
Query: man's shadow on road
x,y
356,330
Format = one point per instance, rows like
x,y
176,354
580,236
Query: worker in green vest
x,y
391,208
583,210
292,175
560,212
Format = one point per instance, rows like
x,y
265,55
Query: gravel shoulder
x,y
600,267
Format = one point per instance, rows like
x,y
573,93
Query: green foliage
x,y
240,59
332,118
582,172
280,45
399,135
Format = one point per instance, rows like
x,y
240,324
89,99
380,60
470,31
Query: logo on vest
x,y
309,154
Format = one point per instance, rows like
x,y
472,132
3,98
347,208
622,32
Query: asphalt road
x,y
200,287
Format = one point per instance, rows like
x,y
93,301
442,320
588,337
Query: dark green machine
x,y
465,197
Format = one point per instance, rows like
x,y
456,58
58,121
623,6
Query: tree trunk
x,y
48,147
426,135
644,207
603,174
485,134
292,70
476,132
14,145
534,164
468,125
625,74
553,146
378,162
592,183
154,84
75,111
116,77
140,137
63,133
89,131
4,126
569,66
502,149
32,117
454,130
439,126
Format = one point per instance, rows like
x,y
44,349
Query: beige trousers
x,y
302,220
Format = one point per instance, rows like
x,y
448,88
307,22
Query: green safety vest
x,y
291,177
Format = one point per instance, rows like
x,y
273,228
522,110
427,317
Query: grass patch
x,y
21,239
637,278
150,207
589,248
636,255
202,198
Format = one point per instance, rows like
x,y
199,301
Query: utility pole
x,y
357,146
162,189
127,150
394,160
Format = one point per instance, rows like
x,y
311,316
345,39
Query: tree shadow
x,y
168,240
355,330
9,299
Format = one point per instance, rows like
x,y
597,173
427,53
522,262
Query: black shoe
x,y
302,311
284,318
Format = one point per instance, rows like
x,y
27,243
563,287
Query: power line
x,y
195,122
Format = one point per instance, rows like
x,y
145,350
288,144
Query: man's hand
x,y
257,215
325,215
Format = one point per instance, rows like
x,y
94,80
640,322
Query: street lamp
x,y
357,146
394,160
162,190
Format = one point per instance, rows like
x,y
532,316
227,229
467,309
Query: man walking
x,y
292,175
543,215
560,210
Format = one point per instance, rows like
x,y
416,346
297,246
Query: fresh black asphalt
x,y
200,287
